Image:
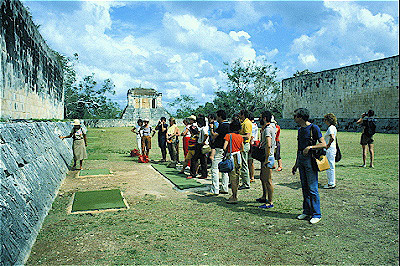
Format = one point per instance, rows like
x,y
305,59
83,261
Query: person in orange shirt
x,y
234,145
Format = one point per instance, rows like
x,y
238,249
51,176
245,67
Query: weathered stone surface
x,y
31,79
123,122
33,163
383,125
347,92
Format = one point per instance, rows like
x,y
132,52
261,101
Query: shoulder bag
x,y
319,161
338,156
226,165
257,153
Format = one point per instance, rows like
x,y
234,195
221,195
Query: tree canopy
x,y
86,99
250,86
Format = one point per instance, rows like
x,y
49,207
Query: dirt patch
x,y
135,180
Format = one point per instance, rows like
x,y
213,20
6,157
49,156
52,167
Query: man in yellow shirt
x,y
245,132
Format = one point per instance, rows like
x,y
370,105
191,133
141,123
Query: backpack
x,y
370,128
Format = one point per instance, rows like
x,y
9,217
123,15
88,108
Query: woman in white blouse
x,y
330,139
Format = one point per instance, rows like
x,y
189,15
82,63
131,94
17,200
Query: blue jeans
x,y
309,184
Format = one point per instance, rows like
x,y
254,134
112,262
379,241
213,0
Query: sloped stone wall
x,y
31,78
33,163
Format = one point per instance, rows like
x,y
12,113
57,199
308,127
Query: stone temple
x,y
145,104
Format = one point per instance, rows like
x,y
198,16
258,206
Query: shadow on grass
x,y
347,166
242,206
293,185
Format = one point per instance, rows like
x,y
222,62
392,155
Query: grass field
x,y
359,224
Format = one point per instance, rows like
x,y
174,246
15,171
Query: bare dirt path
x,y
135,180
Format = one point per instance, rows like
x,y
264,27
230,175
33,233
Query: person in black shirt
x,y
307,141
162,137
368,123
218,136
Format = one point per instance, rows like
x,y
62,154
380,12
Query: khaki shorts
x,y
146,143
189,155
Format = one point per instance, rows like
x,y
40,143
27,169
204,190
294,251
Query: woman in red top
x,y
237,147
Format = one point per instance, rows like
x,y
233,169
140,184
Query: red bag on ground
x,y
134,153
143,159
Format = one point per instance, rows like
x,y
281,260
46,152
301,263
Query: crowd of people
x,y
208,140
213,139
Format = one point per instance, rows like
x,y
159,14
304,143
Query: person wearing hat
x,y
78,134
146,137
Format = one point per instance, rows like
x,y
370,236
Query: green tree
x,y
185,105
251,86
206,109
301,73
86,99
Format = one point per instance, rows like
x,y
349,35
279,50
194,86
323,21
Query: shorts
x,y
366,140
271,163
146,142
189,155
277,153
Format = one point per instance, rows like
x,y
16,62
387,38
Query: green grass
x,y
359,224
98,200
177,179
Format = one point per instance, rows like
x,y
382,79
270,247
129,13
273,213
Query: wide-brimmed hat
x,y
76,122
193,117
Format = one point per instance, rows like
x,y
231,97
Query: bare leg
x,y
279,164
74,166
251,169
371,153
364,148
80,164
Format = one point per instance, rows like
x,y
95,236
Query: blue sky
x,y
179,47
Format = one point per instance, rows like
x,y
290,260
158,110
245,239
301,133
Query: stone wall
x,y
383,125
33,163
31,79
121,122
347,92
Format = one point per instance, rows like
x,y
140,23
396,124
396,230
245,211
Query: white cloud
x,y
307,59
352,34
271,54
240,36
172,94
269,26
176,59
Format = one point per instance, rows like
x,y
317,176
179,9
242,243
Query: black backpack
x,y
370,128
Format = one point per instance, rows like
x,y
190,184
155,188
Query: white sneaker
x,y
329,186
302,216
314,220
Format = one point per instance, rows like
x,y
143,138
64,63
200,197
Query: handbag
x,y
205,149
338,156
319,161
322,163
257,153
226,165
